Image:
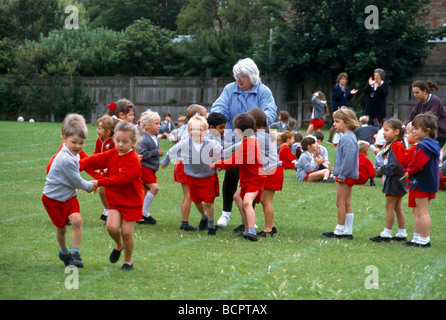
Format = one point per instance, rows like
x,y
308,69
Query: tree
x,y
324,38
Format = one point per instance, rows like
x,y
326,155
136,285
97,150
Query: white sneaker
x,y
223,221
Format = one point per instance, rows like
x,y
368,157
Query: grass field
x,y
298,263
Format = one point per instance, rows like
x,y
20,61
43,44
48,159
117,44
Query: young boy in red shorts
x,y
252,175
60,194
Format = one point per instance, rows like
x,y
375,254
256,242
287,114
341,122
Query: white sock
x,y
339,230
401,233
147,202
416,237
424,240
387,233
349,217
106,212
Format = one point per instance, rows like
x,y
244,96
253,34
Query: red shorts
x,y
128,213
308,174
350,182
419,194
178,173
274,181
253,186
148,176
317,123
59,211
203,189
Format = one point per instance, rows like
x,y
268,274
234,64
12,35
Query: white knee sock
x,y
147,202
349,217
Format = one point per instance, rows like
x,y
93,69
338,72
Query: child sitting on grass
x,y
366,169
308,166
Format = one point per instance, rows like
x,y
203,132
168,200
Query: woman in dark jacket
x,y
377,91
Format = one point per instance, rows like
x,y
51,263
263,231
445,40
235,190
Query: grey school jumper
x,y
196,157
64,177
346,160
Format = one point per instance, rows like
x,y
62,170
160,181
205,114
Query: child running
x,y
122,109
346,171
197,153
424,178
273,170
149,149
393,187
60,194
123,188
252,175
320,109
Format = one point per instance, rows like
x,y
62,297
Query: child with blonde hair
x,y
346,171
149,149
202,181
60,192
123,189
366,169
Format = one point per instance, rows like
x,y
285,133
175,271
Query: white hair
x,y
247,67
147,117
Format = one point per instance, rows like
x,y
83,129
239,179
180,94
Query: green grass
x,y
298,263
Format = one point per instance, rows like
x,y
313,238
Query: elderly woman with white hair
x,y
377,91
245,93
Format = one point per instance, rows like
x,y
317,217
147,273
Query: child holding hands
x,y
252,175
60,195
346,171
123,188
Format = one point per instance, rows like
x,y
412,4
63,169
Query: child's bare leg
x,y
238,201
310,129
128,240
185,203
343,201
268,210
113,228
391,203
76,231
423,216
201,209
61,236
209,209
248,209
400,216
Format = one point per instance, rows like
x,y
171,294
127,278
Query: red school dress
x,y
124,188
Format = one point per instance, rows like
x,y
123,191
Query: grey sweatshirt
x,y
196,157
64,177
346,160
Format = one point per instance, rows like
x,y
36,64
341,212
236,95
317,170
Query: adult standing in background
x,y
377,91
340,94
245,93
427,102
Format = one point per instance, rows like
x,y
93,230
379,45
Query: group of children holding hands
x,y
127,157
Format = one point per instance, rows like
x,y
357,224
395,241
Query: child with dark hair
x,y
307,167
252,175
282,124
285,154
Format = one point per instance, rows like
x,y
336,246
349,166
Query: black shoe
x,y
114,255
188,228
372,183
76,260
409,244
249,236
240,228
381,239
212,231
339,236
127,267
427,245
103,217
266,234
399,239
65,258
203,224
146,220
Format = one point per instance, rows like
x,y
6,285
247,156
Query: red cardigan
x,y
287,156
123,183
248,159
366,169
